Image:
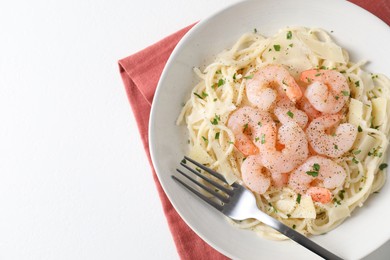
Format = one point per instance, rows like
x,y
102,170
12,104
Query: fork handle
x,y
294,235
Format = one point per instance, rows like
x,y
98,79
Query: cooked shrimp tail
x,y
316,177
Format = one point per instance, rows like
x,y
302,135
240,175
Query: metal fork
x,y
239,203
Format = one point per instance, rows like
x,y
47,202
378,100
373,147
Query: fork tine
x,y
219,186
209,190
200,195
212,172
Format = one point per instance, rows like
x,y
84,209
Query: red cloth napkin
x,y
140,73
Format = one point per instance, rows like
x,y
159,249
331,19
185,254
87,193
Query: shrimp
x,y
293,152
258,178
263,89
246,123
332,145
286,111
308,108
255,176
316,177
328,90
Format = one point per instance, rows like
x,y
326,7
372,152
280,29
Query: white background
x,y
74,179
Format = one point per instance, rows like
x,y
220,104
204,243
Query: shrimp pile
x,y
298,123
291,131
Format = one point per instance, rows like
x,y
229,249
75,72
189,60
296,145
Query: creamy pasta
x,y
222,90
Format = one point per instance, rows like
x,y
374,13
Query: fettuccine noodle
x,y
222,90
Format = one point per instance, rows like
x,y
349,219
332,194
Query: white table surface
x,y
74,179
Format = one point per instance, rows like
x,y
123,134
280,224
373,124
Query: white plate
x,y
364,36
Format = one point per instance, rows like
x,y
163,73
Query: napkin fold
x,y
140,73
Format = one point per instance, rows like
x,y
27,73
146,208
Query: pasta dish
x,y
294,120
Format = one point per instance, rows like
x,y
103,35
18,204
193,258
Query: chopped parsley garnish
x,y
290,114
375,152
345,93
199,96
183,161
216,119
299,198
263,139
323,68
291,45
357,83
198,169
230,142
221,82
357,151
294,226
354,160
289,35
336,147
255,30
277,47
360,129
234,76
202,96
218,72
383,166
337,201
249,77
314,172
205,139
217,135
337,97
259,124
318,74
257,139
341,194
215,99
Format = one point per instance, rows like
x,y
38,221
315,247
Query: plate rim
x,y
198,26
